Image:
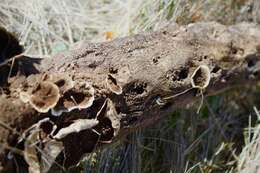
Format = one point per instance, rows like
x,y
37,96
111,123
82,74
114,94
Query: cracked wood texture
x,y
140,69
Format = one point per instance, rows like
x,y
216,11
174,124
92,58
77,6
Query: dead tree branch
x,y
84,98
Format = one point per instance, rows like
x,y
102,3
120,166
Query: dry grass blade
x,y
248,160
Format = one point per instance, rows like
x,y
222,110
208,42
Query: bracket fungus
x,y
77,126
42,97
81,96
112,84
113,116
201,77
37,126
45,96
108,111
39,149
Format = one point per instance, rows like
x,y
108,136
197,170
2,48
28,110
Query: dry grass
x,y
249,158
185,142
49,26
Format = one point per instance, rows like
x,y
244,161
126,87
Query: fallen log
x,y
62,107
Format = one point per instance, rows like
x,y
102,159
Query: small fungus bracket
x,y
113,85
80,96
201,77
77,126
109,119
42,97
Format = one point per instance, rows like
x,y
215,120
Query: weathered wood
x,y
131,77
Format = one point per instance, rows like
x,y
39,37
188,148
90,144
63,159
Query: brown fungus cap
x,y
44,96
81,96
112,84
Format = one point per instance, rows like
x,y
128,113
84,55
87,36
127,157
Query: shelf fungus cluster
x,y
58,93
45,141
55,94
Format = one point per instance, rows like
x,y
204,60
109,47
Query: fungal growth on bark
x,y
40,151
108,112
77,126
63,81
201,77
42,97
113,116
112,84
80,96
87,87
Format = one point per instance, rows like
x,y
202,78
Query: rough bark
x,y
131,78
